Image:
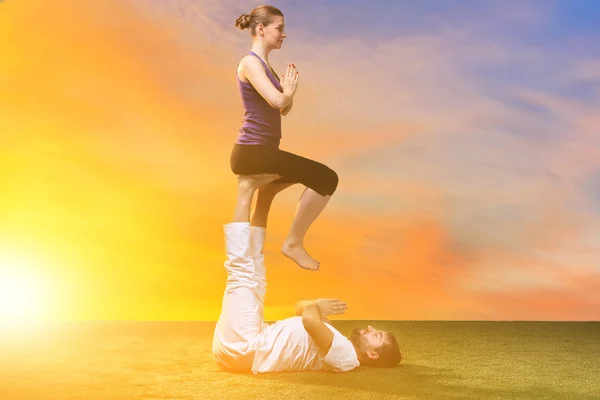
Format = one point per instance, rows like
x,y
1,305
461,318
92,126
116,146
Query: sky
x,y
466,136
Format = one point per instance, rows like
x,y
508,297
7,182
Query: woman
x,y
256,157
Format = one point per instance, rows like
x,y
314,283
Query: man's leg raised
x,y
241,318
240,321
257,241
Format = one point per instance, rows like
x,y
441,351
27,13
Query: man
x,y
243,342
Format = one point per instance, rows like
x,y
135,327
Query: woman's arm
x,y
254,71
285,111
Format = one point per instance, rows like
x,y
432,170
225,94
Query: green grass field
x,y
172,360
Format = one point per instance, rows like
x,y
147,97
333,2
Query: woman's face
x,y
273,34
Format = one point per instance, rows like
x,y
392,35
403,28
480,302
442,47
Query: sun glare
x,y
23,295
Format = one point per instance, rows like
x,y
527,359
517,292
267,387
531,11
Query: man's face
x,y
369,339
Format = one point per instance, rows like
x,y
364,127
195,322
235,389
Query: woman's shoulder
x,y
250,58
251,63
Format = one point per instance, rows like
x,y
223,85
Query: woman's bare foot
x,y
297,253
253,182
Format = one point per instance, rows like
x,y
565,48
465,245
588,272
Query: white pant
x,y
242,315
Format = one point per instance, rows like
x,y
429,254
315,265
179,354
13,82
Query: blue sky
x,y
560,19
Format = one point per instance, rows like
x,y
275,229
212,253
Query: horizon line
x,y
335,320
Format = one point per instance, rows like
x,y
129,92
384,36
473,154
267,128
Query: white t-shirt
x,y
286,346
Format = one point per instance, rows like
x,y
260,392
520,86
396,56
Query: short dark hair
x,y
389,353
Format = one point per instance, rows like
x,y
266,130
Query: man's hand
x,y
326,307
329,307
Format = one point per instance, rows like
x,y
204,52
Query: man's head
x,y
376,348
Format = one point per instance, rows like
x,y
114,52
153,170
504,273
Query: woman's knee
x,y
331,181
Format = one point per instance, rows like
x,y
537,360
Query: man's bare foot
x,y
253,182
300,256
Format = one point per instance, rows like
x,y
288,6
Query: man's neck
x,y
357,353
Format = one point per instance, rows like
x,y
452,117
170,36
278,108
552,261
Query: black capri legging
x,y
259,159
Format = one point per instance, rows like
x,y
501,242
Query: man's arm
x,y
316,328
313,313
301,305
299,309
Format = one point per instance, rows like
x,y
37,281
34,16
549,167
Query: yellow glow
x,y
23,292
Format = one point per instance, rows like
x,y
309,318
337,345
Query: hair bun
x,y
243,21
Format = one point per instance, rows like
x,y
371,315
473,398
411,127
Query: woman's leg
x,y
247,185
265,197
320,180
309,207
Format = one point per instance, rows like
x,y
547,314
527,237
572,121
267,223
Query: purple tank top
x,y
261,123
